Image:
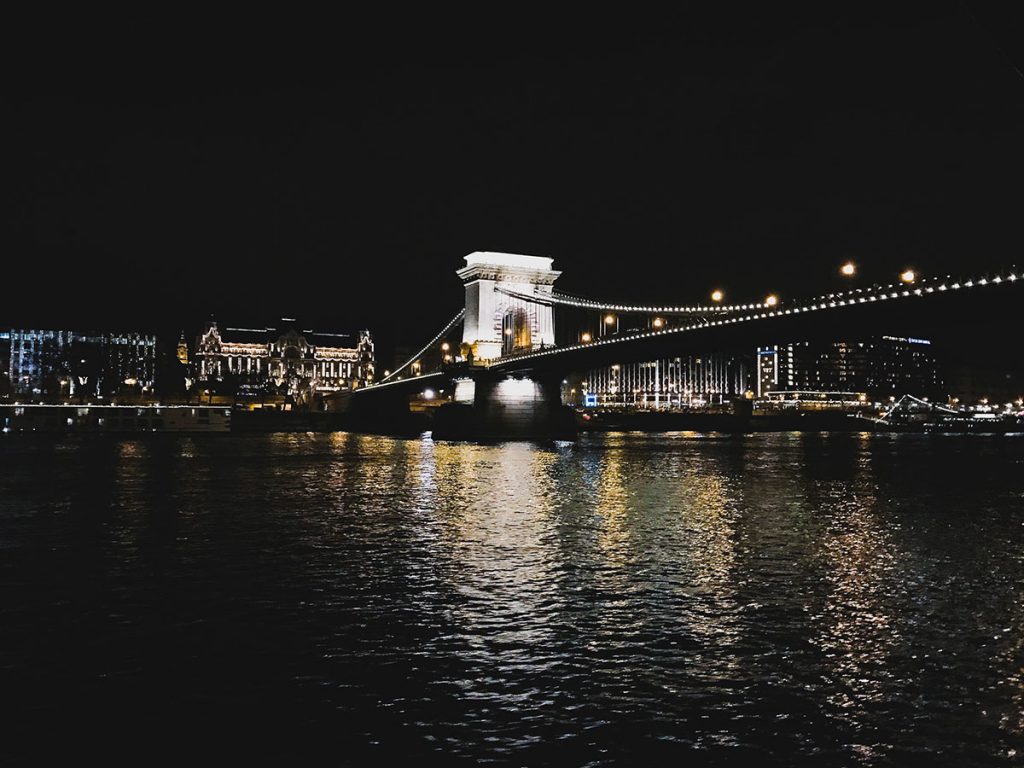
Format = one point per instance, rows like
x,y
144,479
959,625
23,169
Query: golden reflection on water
x,y
658,541
770,591
612,505
862,557
494,509
707,514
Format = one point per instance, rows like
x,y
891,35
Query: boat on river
x,y
66,418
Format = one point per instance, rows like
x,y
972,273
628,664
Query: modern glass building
x,y
55,362
879,367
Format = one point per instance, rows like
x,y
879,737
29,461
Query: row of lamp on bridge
x,y
848,269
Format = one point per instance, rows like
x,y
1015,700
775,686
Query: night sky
x,y
339,172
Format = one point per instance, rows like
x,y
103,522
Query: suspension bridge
x,y
504,358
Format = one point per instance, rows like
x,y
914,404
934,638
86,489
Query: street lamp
x,y
586,337
849,269
908,276
771,300
658,322
717,295
611,324
445,346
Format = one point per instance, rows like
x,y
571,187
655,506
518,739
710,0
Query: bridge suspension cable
x,y
454,321
847,298
574,301
695,309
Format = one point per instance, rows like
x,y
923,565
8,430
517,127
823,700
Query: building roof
x,y
514,260
269,335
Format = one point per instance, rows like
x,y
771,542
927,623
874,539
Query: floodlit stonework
x,y
285,358
500,319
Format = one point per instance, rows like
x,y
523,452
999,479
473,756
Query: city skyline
x,y
525,387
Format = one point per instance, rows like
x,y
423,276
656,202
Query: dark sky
x,y
339,171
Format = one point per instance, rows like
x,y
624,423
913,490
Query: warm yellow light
x,y
658,322
908,276
445,346
609,319
717,295
585,338
849,269
771,300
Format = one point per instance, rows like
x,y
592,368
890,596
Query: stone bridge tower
x,y
497,320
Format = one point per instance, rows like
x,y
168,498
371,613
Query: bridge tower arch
x,y
496,284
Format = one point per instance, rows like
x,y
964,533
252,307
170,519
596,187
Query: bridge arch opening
x,y
516,331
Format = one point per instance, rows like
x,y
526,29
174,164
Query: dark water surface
x,y
763,600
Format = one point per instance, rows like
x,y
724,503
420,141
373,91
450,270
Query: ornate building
x,y
283,359
182,351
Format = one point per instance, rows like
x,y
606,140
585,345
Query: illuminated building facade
x,y
881,367
679,382
54,362
285,359
5,363
182,351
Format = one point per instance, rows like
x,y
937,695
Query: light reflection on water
x,y
801,599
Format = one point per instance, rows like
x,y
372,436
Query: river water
x,y
774,599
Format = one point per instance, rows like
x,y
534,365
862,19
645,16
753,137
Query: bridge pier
x,y
501,407
377,411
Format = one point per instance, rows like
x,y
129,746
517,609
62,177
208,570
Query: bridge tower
x,y
498,320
